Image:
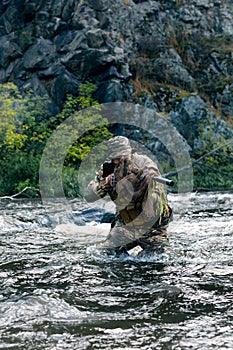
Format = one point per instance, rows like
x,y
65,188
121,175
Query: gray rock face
x,y
197,124
155,52
39,56
187,117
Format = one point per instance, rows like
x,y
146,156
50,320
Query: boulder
x,y
39,56
65,83
9,50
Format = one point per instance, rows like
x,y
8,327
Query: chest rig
x,y
131,190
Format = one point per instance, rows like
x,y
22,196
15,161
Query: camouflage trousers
x,y
153,241
125,237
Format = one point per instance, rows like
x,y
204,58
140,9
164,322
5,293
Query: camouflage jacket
x,y
137,196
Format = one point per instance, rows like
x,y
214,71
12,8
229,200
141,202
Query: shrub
x,y
25,127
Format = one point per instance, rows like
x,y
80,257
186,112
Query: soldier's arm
x,y
149,167
156,201
97,188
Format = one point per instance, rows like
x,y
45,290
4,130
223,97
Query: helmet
x,y
118,146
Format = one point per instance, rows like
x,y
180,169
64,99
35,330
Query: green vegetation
x,y
213,167
25,127
214,171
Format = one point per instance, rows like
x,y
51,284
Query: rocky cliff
x,y
166,54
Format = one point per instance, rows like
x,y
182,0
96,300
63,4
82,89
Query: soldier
x,y
142,211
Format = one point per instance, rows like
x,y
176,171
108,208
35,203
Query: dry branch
x,y
19,193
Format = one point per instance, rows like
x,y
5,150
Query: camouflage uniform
x,y
142,212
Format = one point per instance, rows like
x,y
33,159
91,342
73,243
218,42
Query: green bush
x,y
215,171
25,127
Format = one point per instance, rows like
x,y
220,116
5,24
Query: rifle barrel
x,y
164,181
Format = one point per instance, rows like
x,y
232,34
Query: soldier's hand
x,y
110,180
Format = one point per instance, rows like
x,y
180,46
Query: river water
x,y
58,291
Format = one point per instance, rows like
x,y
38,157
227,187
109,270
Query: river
x,y
58,291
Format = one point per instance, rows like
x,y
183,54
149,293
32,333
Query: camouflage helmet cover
x,y
118,146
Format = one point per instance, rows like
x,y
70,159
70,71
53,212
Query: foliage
x,y
215,171
89,129
83,115
10,108
25,127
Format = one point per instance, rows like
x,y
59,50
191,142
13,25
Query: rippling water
x,y
59,292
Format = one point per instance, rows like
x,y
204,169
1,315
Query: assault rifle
x,y
108,168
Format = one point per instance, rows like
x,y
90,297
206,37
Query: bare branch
x,y
19,193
